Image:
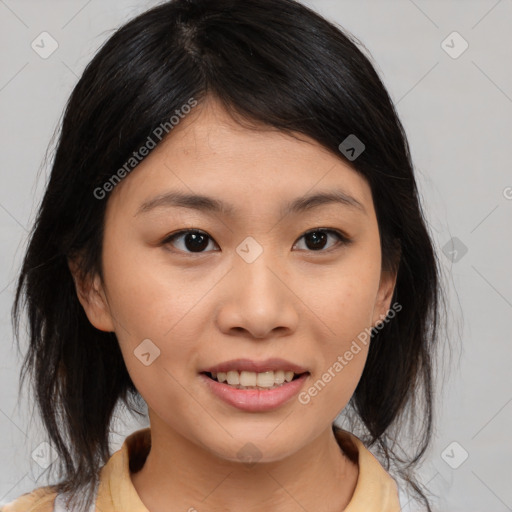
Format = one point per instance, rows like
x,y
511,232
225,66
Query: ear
x,y
384,296
92,296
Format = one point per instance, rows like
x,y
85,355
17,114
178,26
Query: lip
x,y
250,365
255,400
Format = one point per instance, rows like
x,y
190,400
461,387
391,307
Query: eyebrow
x,y
210,204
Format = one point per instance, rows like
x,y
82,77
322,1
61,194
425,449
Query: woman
x,y
232,235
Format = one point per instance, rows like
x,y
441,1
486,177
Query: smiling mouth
x,y
252,380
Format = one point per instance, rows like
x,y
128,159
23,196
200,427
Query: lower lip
x,y
255,400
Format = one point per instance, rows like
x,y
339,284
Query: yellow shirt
x,y
375,490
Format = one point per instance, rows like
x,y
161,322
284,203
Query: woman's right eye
x,y
193,241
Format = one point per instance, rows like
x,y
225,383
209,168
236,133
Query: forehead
x,y
210,154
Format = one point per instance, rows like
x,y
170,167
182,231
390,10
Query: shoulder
x,y
39,500
375,488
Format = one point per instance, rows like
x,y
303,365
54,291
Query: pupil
x,y
196,241
316,237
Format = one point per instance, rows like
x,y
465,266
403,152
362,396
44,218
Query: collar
x,y
375,490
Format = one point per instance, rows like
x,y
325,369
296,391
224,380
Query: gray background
x,y
457,113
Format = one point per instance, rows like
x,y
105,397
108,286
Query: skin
x,y
200,309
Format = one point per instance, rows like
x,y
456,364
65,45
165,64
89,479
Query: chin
x,y
249,448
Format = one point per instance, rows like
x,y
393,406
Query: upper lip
x,y
255,366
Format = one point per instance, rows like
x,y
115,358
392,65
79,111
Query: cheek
x,y
343,297
147,295
155,303
342,344
343,300
157,327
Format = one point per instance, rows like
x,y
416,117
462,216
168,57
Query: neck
x,y
180,475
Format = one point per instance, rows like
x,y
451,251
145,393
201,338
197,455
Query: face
x,y
188,287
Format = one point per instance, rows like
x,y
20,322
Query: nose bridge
x,y
258,299
253,269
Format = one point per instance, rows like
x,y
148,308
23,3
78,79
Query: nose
x,y
260,301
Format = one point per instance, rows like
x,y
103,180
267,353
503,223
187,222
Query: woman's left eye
x,y
317,238
196,241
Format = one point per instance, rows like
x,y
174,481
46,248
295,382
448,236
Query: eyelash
x,y
342,238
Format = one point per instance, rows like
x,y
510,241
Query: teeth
x,y
233,378
247,379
